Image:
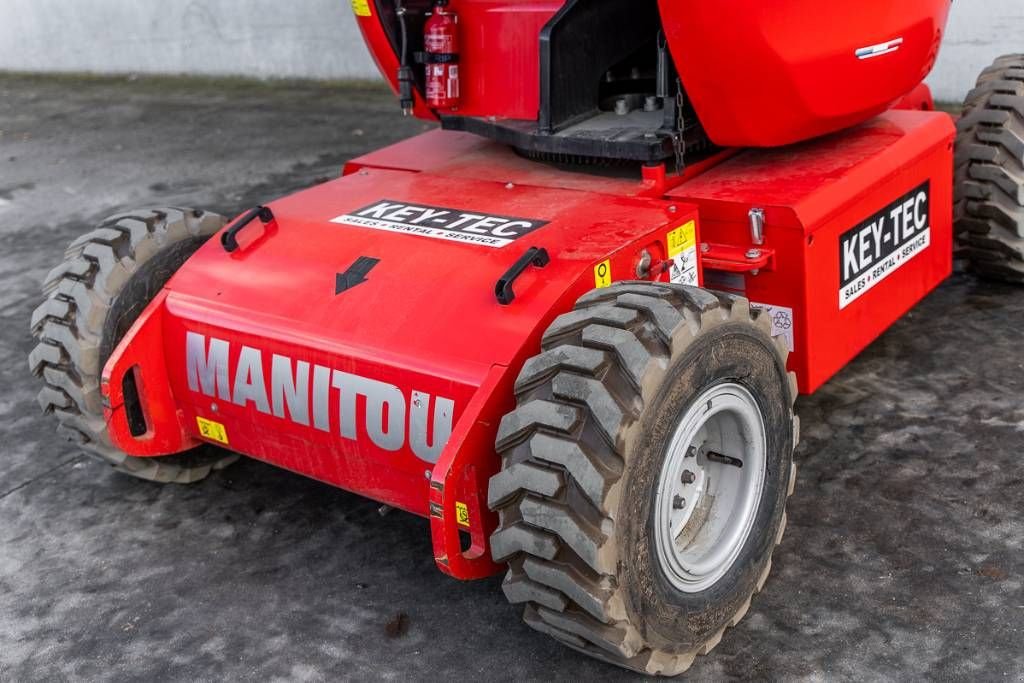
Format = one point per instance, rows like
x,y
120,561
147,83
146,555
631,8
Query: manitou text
x,y
303,393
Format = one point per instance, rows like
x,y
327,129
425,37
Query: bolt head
x,y
678,502
753,254
643,266
689,477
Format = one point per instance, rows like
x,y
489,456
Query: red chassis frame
x,y
365,384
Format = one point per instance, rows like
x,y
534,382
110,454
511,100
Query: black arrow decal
x,y
355,275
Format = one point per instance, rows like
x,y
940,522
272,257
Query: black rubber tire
x,y
108,276
580,461
989,203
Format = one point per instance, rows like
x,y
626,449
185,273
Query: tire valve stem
x,y
678,502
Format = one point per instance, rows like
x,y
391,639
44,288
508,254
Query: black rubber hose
x,y
405,75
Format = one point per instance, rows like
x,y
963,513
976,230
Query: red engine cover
x,y
759,74
763,74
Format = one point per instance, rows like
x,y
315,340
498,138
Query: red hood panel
x,y
428,302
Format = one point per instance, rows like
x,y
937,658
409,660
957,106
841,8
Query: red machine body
x,y
392,384
499,57
789,71
441,45
758,74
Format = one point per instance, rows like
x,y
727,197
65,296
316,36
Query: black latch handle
x,y
535,256
229,238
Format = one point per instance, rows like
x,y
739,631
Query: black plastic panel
x,y
623,143
579,45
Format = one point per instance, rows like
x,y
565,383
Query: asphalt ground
x,y
903,558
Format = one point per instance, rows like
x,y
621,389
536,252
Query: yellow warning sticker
x,y
214,431
681,239
682,254
603,274
361,8
462,513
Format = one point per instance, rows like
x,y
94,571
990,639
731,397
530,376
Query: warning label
x,y
462,513
454,225
603,274
682,251
782,321
880,245
209,429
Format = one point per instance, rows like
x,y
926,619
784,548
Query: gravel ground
x,y
903,558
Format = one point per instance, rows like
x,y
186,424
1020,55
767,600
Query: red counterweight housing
x,y
771,74
441,46
639,80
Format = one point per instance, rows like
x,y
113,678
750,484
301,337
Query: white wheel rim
x,y
705,508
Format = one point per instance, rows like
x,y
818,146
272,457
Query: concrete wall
x,y
979,31
319,39
264,38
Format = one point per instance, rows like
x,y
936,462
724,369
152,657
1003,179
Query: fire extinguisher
x,y
441,45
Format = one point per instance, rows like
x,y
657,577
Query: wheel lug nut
x,y
678,502
689,477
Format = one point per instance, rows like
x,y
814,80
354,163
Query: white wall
x,y
979,31
264,38
319,39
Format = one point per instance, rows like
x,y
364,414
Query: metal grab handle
x,y
229,238
535,256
